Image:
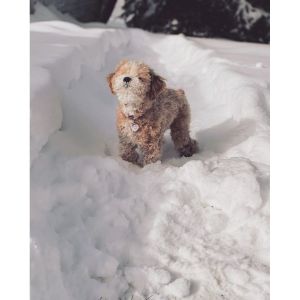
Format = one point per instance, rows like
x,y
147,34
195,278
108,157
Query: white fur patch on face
x,y
136,85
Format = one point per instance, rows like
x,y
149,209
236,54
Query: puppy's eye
x,y
141,79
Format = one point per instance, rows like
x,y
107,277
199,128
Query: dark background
x,y
242,20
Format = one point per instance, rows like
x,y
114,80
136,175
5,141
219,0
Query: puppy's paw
x,y
132,157
189,149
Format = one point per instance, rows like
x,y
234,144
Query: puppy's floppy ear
x,y
109,80
157,84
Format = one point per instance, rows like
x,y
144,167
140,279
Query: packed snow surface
x,y
182,228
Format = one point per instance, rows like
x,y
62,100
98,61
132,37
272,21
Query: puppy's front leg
x,y
128,151
152,152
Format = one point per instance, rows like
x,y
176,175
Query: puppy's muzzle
x,y
126,81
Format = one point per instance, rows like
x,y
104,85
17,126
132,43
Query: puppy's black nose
x,y
126,79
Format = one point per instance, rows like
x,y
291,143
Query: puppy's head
x,y
132,78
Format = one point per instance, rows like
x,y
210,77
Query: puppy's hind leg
x,y
184,144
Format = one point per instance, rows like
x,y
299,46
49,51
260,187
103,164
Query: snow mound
x,y
185,227
179,288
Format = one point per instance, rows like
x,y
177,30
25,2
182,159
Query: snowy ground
x,y
192,228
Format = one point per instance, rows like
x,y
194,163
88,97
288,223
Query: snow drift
x,y
192,228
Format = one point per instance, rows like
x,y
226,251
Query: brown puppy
x,y
146,110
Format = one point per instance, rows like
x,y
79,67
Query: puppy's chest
x,y
134,128
141,130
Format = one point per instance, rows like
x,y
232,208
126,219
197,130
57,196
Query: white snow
x,y
115,18
49,13
250,14
194,227
46,112
179,288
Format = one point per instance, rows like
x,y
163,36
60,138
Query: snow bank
x,y
192,228
45,109
55,63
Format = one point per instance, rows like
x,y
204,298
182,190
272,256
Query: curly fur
x,y
147,108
